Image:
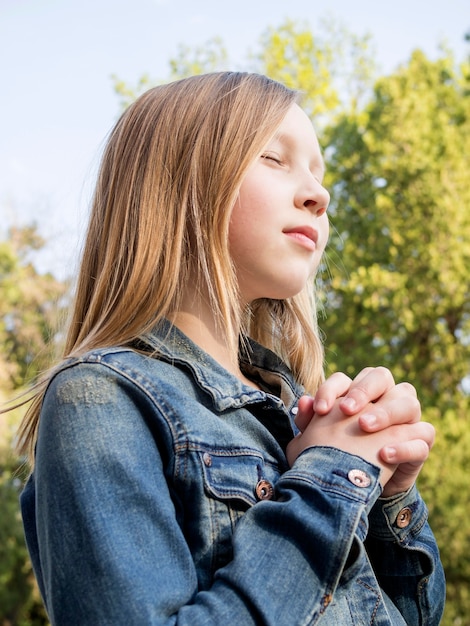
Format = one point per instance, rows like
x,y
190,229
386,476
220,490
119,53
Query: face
x,y
279,228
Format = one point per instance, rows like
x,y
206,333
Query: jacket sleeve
x,y
405,557
111,550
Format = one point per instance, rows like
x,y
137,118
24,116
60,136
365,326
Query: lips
x,y
304,235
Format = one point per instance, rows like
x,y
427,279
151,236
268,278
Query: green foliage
x,y
20,603
210,57
128,94
332,71
14,588
397,290
400,196
29,306
293,56
444,484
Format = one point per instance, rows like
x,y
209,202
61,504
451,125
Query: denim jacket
x,y
161,495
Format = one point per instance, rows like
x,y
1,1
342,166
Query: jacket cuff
x,y
343,475
398,518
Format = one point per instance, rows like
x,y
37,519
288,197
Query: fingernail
x,y
369,419
390,453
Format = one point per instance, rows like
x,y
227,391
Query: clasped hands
x,y
371,417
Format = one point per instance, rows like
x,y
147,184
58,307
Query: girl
x,y
171,484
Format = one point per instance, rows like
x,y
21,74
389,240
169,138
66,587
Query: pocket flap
x,y
237,474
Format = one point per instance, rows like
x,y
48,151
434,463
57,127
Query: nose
x,y
312,196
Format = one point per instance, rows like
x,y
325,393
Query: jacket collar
x,y
226,390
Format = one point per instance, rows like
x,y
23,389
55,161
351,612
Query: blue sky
x,y
58,104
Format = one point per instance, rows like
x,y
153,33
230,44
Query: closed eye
x,y
272,157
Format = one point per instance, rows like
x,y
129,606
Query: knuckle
x,y
431,433
343,377
409,408
414,406
425,434
364,372
407,389
424,450
339,378
385,373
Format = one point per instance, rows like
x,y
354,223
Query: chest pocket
x,y
239,476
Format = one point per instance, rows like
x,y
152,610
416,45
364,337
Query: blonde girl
x,y
190,466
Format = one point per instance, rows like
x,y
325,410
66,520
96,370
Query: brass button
x,y
264,490
206,457
359,478
403,518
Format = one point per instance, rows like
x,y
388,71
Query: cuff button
x,y
403,518
359,478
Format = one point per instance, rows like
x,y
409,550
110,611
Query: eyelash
x,y
277,160
272,158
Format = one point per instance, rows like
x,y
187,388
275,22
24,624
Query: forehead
x,y
296,118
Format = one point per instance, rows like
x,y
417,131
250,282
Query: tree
x,y
19,597
398,174
397,293
332,71
329,70
29,306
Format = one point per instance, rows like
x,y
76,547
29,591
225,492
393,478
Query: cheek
x,y
248,221
237,226
241,244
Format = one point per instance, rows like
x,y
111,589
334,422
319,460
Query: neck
x,y
196,320
206,335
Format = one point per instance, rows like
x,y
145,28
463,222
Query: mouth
x,y
304,235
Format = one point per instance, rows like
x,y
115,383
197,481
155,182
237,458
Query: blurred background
x,y
388,88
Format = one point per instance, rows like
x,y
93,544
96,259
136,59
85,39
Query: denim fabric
x,y
150,503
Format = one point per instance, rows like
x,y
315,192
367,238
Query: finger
x,y
334,387
412,444
409,453
396,407
368,386
304,412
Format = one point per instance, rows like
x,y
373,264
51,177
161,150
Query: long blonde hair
x,y
169,176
